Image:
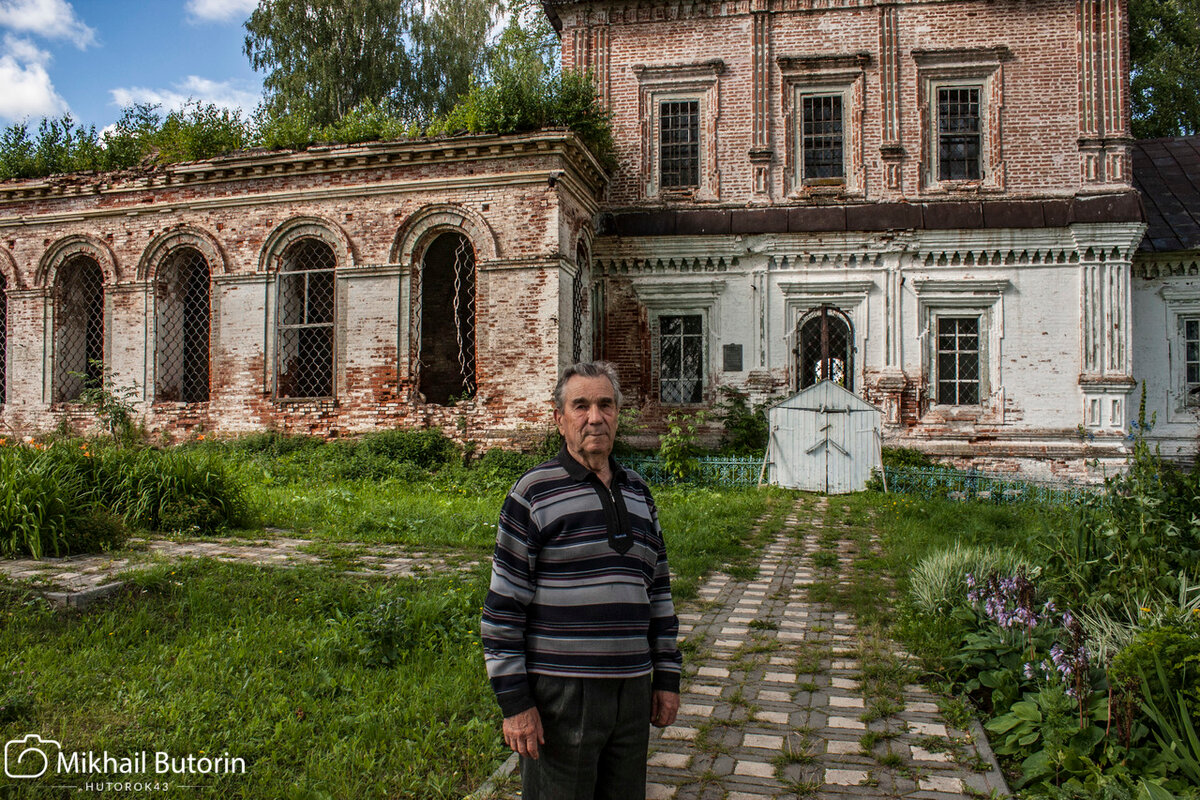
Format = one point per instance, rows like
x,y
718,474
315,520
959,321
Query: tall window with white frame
x,y
182,315
78,328
3,340
305,332
960,133
821,139
1191,360
958,363
679,144
681,358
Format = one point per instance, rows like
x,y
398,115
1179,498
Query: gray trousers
x,y
597,734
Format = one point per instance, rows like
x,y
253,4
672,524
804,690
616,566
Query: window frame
x,y
697,82
1191,389
982,133
702,337
981,68
806,77
160,283
279,325
802,137
936,378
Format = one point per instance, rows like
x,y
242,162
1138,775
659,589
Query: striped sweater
x,y
569,594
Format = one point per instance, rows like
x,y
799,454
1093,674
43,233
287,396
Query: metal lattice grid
x,y
1191,357
78,328
304,336
679,143
960,133
958,360
3,340
822,137
182,328
826,348
579,306
446,365
681,358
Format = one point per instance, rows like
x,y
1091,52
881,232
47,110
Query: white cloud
x,y
226,94
220,10
28,90
54,19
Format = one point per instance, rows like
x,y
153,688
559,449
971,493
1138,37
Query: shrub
x,y
428,448
745,427
1177,649
678,444
906,457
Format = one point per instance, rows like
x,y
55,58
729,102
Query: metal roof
x,y
1167,173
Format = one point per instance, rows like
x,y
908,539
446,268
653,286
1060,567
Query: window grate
x,y
446,360
681,358
679,143
1191,358
960,137
578,305
958,361
78,328
182,332
825,350
304,346
822,137
3,339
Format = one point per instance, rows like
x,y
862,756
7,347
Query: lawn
x,y
325,684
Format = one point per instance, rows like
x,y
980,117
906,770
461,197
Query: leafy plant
x,y
38,498
938,583
678,444
1175,728
745,427
113,405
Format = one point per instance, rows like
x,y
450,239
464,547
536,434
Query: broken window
x,y
826,348
3,340
78,328
960,133
447,320
1191,360
304,339
579,306
182,328
957,367
679,144
821,139
681,358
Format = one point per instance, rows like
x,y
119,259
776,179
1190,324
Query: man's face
x,y
588,419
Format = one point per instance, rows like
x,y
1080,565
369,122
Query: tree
x,y
1164,44
324,58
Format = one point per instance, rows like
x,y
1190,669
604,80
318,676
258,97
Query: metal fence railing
x,y
951,484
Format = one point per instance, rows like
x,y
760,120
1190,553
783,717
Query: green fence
x,y
953,484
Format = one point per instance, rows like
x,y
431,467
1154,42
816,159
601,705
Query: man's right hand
x,y
523,732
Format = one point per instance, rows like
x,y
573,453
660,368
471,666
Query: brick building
x,y
931,202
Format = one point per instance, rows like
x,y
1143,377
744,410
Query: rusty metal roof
x,y
1167,173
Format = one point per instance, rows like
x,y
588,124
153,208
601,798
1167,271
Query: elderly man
x,y
579,627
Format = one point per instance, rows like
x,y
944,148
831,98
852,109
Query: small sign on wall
x,y
731,358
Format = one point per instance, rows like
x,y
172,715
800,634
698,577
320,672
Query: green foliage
x,y
1175,728
938,583
1173,648
907,457
745,427
1164,45
113,405
198,131
38,497
445,617
679,443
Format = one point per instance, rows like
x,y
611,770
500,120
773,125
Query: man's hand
x,y
664,706
523,732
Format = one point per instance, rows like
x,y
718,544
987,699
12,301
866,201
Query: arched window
x,y
447,320
3,340
826,348
182,328
78,328
304,334
579,349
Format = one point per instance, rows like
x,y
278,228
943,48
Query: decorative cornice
x,y
826,288
665,294
321,160
965,55
980,288
695,69
824,63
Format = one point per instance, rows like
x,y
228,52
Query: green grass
x,y
276,666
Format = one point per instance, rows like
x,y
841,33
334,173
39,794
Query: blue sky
x,y
92,57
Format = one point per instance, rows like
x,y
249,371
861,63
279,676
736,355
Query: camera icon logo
x,y
28,757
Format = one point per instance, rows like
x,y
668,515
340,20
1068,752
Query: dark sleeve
x,y
664,625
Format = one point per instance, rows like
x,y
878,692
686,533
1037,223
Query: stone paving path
x,y
773,702
82,574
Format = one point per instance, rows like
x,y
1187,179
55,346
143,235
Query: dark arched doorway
x,y
447,320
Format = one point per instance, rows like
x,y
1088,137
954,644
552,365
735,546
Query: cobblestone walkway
x,y
773,701
85,574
